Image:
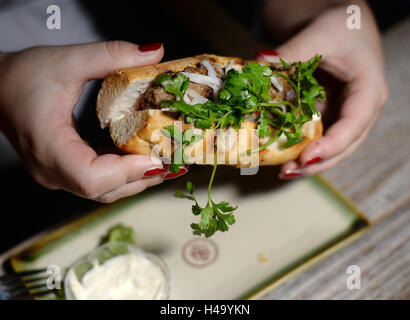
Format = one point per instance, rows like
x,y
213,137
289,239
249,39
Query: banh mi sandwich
x,y
212,110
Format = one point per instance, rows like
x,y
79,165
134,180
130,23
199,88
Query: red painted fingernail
x,y
171,175
154,172
312,161
149,47
289,174
266,52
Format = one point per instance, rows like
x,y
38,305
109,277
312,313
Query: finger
x,y
129,189
290,170
96,60
89,175
324,165
171,175
267,55
293,169
357,113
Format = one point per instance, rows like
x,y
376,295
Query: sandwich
x,y
213,110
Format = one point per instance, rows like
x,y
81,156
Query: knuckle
x,y
87,188
115,49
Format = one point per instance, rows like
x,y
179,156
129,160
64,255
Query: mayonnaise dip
x,y
130,276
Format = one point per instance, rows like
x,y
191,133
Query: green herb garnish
x,y
119,233
243,93
181,140
214,216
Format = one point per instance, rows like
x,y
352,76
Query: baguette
x,y
138,130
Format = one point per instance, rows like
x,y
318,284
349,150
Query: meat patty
x,y
156,93
277,95
202,89
152,98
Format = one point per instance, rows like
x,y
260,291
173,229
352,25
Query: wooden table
x,y
377,179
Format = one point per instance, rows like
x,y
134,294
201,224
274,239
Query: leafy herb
x,y
181,140
214,216
248,92
243,93
119,233
176,86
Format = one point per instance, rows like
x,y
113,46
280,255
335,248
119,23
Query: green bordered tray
x,y
281,229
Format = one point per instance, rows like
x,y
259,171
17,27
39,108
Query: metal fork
x,y
25,285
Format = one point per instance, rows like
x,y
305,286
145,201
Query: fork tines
x,y
25,285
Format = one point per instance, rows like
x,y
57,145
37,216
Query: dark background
x,y
27,207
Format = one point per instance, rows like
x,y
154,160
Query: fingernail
x,y
312,161
266,52
290,174
149,47
153,172
171,175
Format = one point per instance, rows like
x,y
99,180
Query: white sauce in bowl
x,y
130,276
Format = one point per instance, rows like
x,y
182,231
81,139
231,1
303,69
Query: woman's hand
x,y
39,88
353,57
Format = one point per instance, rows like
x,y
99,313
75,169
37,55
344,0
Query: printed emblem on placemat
x,y
200,252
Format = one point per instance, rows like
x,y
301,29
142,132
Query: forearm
x,y
284,19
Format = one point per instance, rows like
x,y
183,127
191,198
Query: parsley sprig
x,y
243,93
247,92
214,216
176,86
181,141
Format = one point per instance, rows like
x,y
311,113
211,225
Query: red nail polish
x,y
153,172
312,161
149,47
266,52
171,175
290,174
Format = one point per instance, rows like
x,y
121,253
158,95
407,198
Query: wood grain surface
x,y
377,179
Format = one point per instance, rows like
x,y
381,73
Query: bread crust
x,y
140,131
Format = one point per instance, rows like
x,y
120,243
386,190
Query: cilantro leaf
x,y
243,93
174,133
176,86
120,233
263,126
214,216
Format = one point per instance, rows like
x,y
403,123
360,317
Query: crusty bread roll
x,y
140,131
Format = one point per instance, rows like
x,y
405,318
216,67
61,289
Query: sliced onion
x,y
276,83
170,109
214,82
291,95
209,67
229,66
219,70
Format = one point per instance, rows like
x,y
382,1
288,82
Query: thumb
x,y
95,60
